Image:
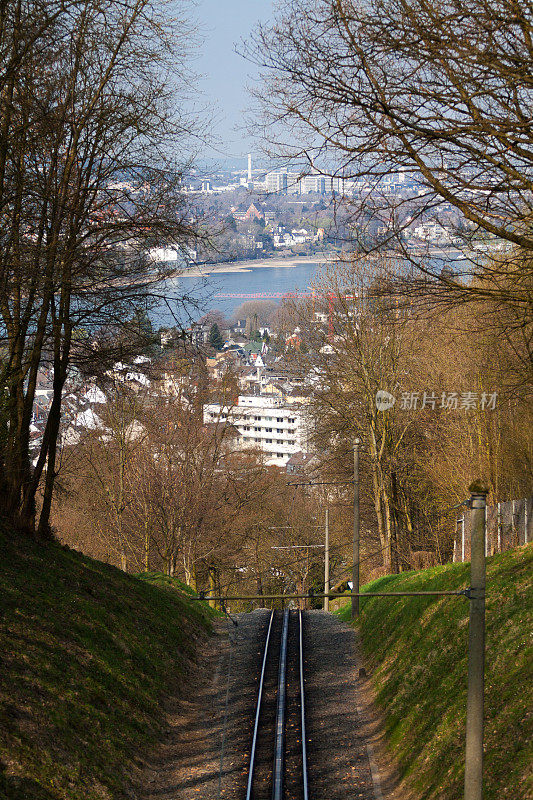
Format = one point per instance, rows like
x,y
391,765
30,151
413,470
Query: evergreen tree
x,y
215,337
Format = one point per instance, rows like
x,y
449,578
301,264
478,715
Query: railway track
x,y
278,758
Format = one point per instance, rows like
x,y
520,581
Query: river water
x,y
268,276
261,278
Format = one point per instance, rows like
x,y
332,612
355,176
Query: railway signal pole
x,y
476,646
355,569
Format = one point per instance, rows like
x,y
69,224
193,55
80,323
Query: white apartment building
x,y
284,182
266,423
313,183
276,182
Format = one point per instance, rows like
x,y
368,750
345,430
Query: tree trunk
x,y
146,556
385,505
378,506
190,574
212,586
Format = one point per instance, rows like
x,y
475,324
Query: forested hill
x,y
86,655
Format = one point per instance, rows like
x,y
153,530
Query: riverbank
x,y
318,259
203,270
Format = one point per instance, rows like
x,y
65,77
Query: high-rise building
x,y
293,183
313,183
249,167
276,182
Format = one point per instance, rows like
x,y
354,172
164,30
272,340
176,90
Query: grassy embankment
x,y
87,654
418,650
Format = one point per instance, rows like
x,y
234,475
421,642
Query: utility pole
x,y
326,563
355,555
476,646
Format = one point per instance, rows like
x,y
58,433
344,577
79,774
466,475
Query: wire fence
x,y
508,525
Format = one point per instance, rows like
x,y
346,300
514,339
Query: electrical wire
x,y
301,559
339,548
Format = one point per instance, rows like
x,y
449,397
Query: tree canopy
x,y
215,337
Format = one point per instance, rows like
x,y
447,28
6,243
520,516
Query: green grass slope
x,y
87,654
418,650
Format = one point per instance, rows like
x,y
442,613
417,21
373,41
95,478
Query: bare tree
x,y
88,184
441,90
437,92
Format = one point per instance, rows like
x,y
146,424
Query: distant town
x,y
249,356
257,214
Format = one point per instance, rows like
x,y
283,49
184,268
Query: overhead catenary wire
x,y
303,559
335,550
339,548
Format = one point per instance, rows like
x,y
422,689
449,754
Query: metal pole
x,y
326,563
463,538
454,543
343,595
499,528
355,570
476,646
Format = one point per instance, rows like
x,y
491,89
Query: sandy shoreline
x,y
321,259
202,270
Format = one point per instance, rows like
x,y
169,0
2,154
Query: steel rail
x,y
302,708
279,738
258,711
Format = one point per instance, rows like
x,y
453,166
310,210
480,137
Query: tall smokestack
x,y
249,167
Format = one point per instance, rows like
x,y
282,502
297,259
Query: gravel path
x,y
343,728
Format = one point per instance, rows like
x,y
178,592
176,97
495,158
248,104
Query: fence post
x,y
476,646
355,555
326,563
499,528
463,538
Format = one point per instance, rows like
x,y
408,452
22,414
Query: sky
x,y
223,24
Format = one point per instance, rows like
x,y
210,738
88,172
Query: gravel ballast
x,y
339,766
206,752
